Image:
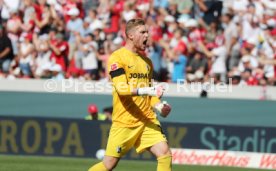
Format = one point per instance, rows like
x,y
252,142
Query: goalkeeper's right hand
x,y
157,91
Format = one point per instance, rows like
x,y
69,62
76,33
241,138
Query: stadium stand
x,y
194,40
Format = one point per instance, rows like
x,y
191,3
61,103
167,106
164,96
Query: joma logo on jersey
x,y
138,75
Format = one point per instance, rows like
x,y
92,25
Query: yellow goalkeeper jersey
x,y
128,71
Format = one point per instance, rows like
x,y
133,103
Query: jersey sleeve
x,y
118,76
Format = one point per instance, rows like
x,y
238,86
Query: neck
x,y
130,46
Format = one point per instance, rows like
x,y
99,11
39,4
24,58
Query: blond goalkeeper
x,y
134,122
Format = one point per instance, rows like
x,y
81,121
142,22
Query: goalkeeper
x,y
134,123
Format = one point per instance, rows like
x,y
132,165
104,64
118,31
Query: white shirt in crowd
x,y
269,4
42,60
96,24
218,66
24,48
90,62
269,53
249,58
8,6
231,31
128,15
240,5
248,31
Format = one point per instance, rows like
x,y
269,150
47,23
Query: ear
x,y
130,36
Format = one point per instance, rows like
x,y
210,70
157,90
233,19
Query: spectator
x,y
211,34
42,17
87,54
247,62
155,54
196,67
175,52
155,29
211,9
218,56
60,50
129,12
28,24
193,26
113,24
267,61
95,22
99,38
8,6
25,55
240,6
194,35
179,66
86,30
13,29
43,55
56,72
94,114
173,11
183,7
74,27
247,78
161,4
108,112
6,52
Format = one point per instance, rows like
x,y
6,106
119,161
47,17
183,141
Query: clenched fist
x,y
163,108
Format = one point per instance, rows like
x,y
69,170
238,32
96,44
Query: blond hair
x,y
133,23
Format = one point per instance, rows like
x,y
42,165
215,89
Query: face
x,y
42,2
139,37
197,56
225,19
88,39
85,24
246,75
92,14
246,64
251,9
213,26
27,2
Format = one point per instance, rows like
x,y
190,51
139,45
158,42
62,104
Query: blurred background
x,y
193,40
230,43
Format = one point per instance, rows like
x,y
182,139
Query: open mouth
x,y
145,42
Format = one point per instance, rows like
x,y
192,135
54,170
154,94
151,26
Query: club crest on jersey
x,y
113,67
119,149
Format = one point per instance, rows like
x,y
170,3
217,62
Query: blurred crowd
x,y
231,41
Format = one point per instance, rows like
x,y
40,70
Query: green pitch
x,y
26,163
